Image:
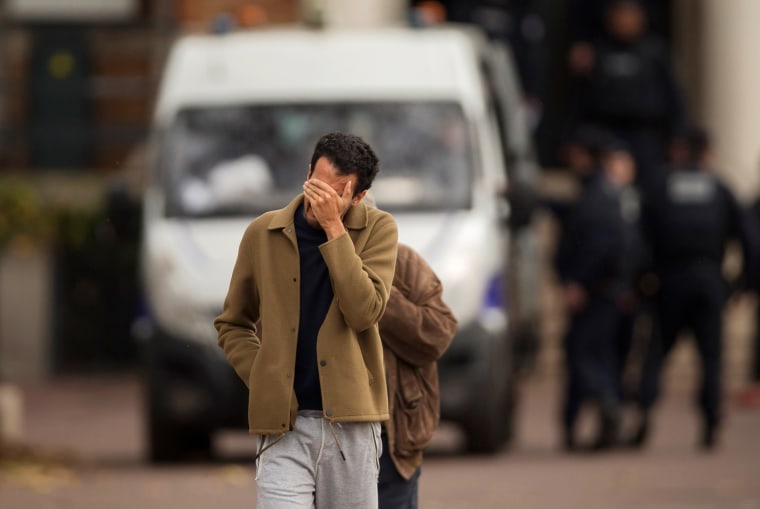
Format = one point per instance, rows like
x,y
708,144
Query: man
x,y
515,23
591,266
416,330
578,153
750,395
629,88
620,169
586,24
689,221
317,273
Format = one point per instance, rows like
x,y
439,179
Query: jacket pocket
x,y
417,409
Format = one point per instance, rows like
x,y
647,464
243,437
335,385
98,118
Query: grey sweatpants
x,y
305,469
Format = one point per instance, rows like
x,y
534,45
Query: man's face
x,y
578,159
626,21
325,171
621,167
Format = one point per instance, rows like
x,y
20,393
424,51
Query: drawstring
x,y
261,451
282,435
337,442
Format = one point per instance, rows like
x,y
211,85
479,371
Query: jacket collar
x,y
356,218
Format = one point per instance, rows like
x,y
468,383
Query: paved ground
x,y
89,431
87,442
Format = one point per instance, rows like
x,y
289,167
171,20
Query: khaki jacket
x,y
416,330
265,285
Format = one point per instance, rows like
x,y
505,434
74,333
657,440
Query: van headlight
x,y
174,312
194,324
493,311
474,296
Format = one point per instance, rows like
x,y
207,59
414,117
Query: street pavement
x,y
85,450
84,447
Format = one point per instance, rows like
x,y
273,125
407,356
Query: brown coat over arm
x,y
416,330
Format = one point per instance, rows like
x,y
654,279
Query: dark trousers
x,y
393,490
625,340
755,362
691,299
591,352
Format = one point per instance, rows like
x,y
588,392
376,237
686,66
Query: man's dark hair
x,y
350,155
699,141
589,137
614,4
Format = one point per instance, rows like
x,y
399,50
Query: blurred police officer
x,y
689,219
750,396
626,84
580,159
517,23
590,264
620,168
586,19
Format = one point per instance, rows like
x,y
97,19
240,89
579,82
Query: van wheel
x,y
164,445
490,423
491,430
169,444
168,439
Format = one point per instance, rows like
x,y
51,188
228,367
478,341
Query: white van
x,y
236,121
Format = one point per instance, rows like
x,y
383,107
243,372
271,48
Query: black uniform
x,y
514,22
632,92
586,18
635,263
689,220
754,282
590,253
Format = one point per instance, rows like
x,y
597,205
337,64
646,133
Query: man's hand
x,y
328,206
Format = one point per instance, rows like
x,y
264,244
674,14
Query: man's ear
x,y
356,199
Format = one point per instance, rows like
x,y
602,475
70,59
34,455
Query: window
x,y
243,160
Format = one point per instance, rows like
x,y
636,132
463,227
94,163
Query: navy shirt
x,y
316,296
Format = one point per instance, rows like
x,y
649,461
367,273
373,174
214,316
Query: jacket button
x,y
323,363
294,280
329,413
283,425
290,375
292,329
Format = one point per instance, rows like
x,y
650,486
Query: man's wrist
x,y
334,230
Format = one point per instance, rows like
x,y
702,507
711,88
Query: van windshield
x,y
243,160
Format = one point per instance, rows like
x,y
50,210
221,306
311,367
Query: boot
x,y
609,428
709,438
569,442
641,435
